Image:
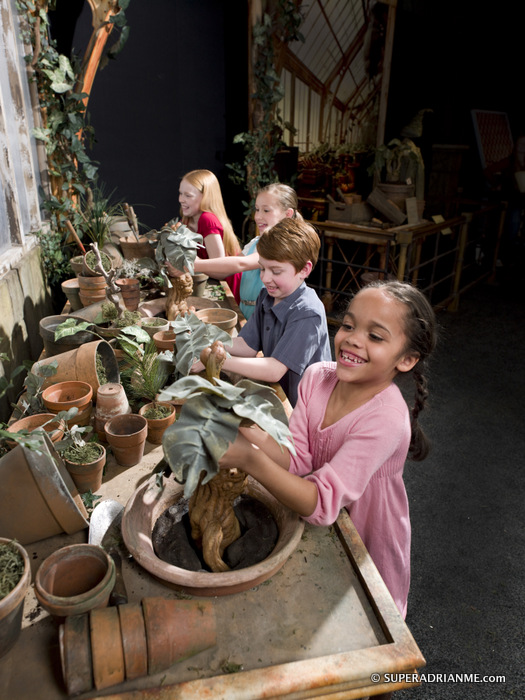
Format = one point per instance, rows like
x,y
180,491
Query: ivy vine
x,y
265,137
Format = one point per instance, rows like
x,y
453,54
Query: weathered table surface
x,y
321,626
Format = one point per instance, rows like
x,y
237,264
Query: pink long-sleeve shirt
x,y
357,463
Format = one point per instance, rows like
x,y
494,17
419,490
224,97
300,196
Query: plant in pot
x,y
31,401
210,418
15,578
400,162
85,459
145,374
176,252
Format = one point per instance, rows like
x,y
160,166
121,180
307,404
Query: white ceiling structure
x,y
336,81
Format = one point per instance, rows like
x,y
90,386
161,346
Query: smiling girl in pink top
x,y
353,430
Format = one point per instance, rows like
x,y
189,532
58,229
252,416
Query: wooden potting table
x,y
324,626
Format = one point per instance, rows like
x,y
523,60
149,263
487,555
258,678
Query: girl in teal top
x,y
273,203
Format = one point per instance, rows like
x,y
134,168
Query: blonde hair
x,y
206,182
286,196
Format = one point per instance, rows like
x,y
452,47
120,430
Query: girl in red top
x,y
202,211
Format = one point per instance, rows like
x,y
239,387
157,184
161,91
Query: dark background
x,y
177,94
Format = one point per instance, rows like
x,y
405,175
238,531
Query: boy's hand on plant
x,y
172,271
197,367
237,453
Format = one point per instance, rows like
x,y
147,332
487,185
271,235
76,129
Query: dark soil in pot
x,y
173,543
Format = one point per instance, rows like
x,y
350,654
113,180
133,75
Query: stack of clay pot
x,y
116,644
111,401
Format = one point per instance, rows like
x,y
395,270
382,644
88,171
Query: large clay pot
x,y
148,503
71,394
157,426
38,498
127,437
74,580
130,290
110,645
88,476
92,289
71,289
81,364
397,193
47,328
225,319
164,340
111,401
12,605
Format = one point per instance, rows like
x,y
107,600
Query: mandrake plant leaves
x,y
210,420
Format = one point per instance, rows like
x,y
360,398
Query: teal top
x,y
251,283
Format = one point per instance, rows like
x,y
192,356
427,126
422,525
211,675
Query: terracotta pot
x,y
47,327
31,423
397,193
71,394
106,648
75,654
133,633
81,364
87,476
92,289
157,426
12,605
161,324
130,289
225,319
111,401
176,629
148,503
76,264
74,580
132,640
164,340
127,437
133,249
72,291
199,284
89,271
38,485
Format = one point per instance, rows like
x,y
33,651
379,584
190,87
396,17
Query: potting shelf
x,y
321,626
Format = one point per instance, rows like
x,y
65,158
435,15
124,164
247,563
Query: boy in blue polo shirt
x,y
289,322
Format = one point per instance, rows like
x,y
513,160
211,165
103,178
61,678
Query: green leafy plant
x,y
95,213
75,448
178,247
209,422
146,371
191,337
31,401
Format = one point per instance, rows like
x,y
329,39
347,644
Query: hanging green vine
x,y
278,26
65,131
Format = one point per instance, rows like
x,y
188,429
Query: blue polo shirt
x,y
294,331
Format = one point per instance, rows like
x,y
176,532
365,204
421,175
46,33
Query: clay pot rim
x,y
146,406
221,314
73,282
149,501
81,401
68,603
123,418
17,594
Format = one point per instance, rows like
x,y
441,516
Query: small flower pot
x,y
65,395
74,580
111,401
155,324
157,426
199,284
88,269
92,289
76,264
36,421
12,604
164,340
126,435
71,289
130,290
87,476
225,319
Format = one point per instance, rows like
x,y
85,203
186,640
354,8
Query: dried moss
x,y
101,370
83,454
11,568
